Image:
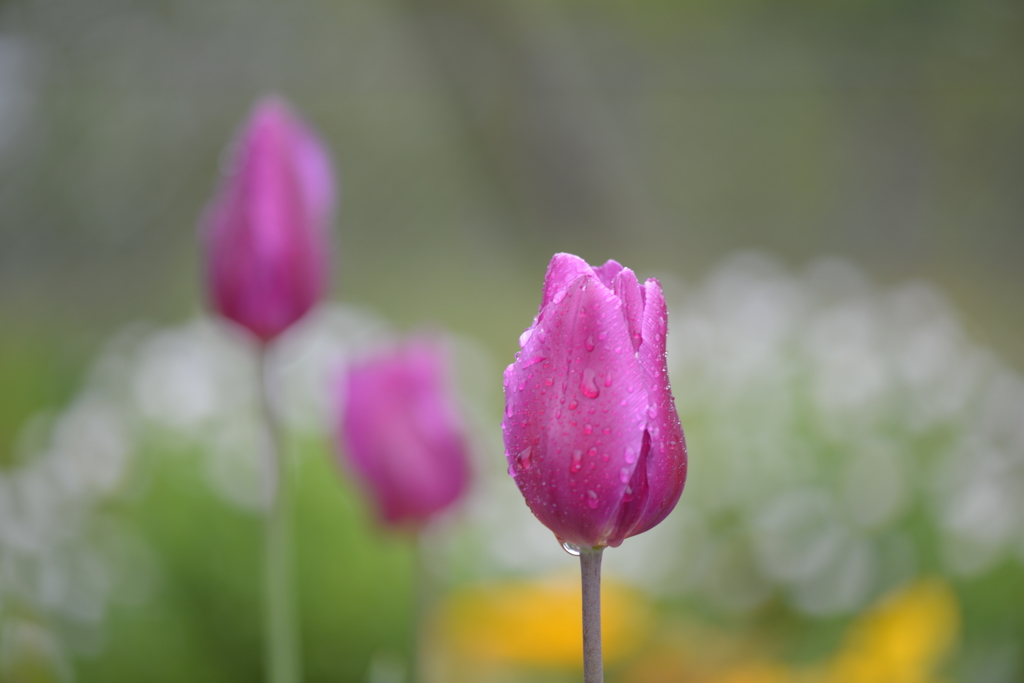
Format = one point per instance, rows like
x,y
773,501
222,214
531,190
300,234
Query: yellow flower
x,y
536,623
902,640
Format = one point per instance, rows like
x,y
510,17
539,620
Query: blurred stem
x,y
423,586
590,571
282,662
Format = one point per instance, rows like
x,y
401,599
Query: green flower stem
x,y
590,574
426,590
282,652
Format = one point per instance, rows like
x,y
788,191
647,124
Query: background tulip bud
x,y
266,232
591,431
399,432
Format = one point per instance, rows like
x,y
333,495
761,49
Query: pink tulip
x,y
592,436
267,230
400,434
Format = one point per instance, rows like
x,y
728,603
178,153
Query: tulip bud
x,y
592,436
267,230
400,434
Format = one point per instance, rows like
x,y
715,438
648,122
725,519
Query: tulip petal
x,y
628,290
317,182
576,409
606,273
634,498
666,462
562,272
316,172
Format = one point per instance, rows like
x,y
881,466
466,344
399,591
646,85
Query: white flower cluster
x,y
828,422
59,552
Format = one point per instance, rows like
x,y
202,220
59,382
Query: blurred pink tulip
x,y
592,436
400,434
267,230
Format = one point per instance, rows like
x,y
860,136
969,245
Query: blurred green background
x,y
473,140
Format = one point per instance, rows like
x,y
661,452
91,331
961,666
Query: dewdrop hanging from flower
x,y
592,436
266,233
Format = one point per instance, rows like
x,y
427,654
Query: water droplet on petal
x,y
589,343
577,462
630,456
571,548
572,404
532,360
592,452
558,413
522,385
628,495
624,475
588,386
652,411
592,501
618,349
549,381
524,338
558,297
608,379
601,335
525,458
587,429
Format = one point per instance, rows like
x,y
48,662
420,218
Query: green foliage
x,y
203,622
